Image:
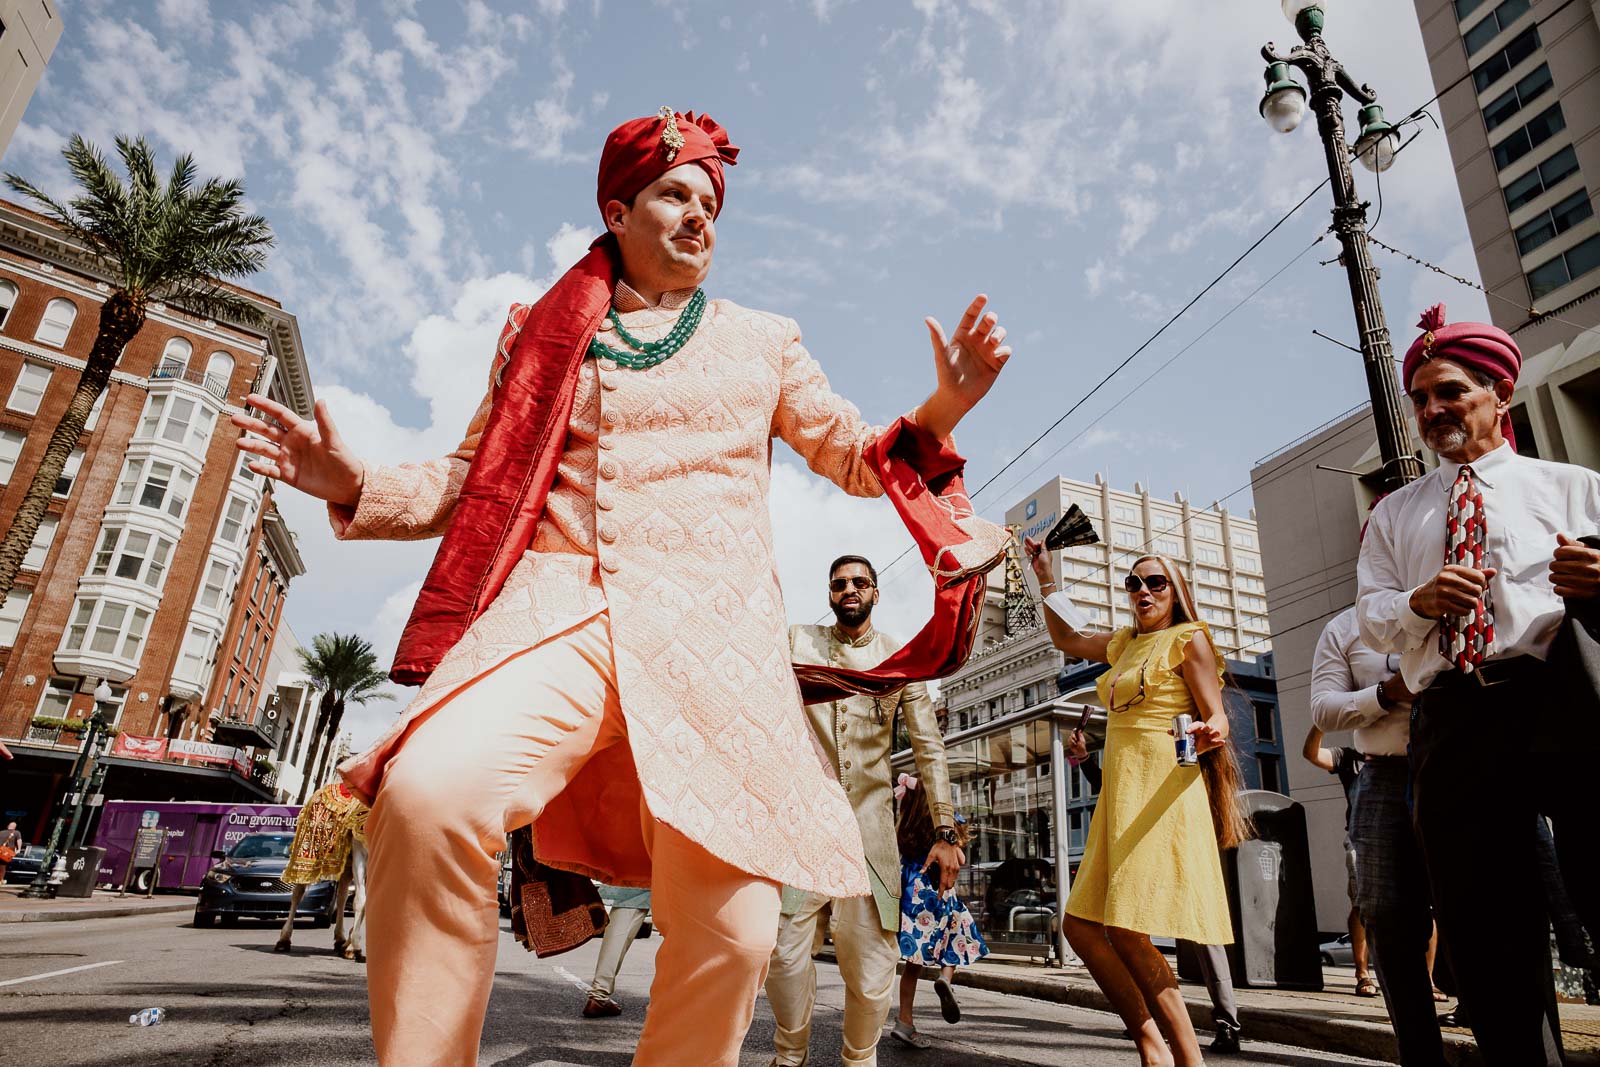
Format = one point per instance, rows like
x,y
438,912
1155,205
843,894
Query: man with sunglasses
x,y
858,737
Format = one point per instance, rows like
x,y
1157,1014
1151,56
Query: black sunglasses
x,y
839,585
1155,583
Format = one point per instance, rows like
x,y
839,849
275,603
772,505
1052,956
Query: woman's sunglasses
x,y
1156,583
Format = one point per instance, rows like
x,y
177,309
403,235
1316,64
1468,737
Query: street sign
x,y
147,847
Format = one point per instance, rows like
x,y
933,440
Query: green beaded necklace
x,y
649,354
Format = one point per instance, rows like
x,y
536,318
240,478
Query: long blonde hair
x,y
1219,766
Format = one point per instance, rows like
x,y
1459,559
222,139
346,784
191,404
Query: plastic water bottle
x,y
148,1017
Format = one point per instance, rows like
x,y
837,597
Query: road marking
x,y
569,976
54,974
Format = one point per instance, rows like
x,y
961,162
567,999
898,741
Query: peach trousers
x,y
485,762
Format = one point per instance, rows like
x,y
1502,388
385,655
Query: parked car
x,y
25,865
248,883
1338,952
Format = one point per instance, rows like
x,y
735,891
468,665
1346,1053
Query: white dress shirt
x,y
1344,689
1526,502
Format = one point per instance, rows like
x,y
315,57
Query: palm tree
x,y
155,242
346,669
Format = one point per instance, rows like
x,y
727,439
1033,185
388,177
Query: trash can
x,y
1270,897
83,870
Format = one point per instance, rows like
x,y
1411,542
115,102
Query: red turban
x,y
1475,345
642,150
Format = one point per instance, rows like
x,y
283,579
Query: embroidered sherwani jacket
x,y
857,735
659,515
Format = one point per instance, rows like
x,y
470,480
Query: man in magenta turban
x,y
1467,573
601,641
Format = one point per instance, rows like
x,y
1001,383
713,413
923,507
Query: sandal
x,y
1367,986
908,1035
1439,996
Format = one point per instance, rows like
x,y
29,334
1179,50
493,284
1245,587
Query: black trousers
x,y
1567,795
1393,897
1474,803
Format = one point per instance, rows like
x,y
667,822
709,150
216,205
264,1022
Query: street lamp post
x,y
42,886
1283,106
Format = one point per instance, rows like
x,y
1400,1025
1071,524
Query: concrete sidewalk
x,y
104,904
1336,1019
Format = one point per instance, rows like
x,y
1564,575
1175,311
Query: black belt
x,y
1495,672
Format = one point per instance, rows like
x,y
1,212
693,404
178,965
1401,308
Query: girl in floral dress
x,y
936,930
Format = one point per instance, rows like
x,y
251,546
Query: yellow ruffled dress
x,y
1151,862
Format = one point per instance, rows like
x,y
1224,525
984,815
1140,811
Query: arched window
x,y
8,299
56,323
219,371
174,359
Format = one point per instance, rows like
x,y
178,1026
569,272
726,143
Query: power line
x,y
1184,310
1532,313
884,571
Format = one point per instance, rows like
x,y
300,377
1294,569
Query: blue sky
x,y
1089,165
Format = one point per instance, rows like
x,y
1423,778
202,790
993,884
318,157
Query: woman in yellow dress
x,y
1151,865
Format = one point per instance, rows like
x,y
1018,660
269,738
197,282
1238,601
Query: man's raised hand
x,y
966,363
309,455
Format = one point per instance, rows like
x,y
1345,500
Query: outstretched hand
x,y
966,364
309,455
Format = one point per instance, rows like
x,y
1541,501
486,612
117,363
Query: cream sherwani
x,y
629,691
858,736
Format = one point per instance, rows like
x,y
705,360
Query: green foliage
x,y
74,726
167,241
345,667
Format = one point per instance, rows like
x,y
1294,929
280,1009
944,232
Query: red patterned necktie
x,y
1464,640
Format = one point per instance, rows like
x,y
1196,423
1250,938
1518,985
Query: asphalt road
x,y
67,989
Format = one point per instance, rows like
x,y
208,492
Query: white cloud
x,y
542,129
1139,213
1102,274
191,18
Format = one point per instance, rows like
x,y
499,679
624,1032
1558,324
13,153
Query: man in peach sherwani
x,y
628,690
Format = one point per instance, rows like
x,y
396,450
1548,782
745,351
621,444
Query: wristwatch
x,y
947,834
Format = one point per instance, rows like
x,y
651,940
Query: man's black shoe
x,y
1456,1016
1227,1039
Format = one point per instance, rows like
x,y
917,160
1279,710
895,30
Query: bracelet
x,y
1046,585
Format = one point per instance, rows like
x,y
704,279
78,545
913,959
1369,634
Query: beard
x,y
1446,437
852,616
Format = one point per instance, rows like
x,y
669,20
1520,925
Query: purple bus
x,y
194,830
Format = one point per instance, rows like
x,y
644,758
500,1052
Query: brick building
x,y
162,564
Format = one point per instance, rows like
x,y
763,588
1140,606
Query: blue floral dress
x,y
936,930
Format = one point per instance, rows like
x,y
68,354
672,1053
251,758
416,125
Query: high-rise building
x,y
1521,104
162,563
1218,552
1000,759
29,30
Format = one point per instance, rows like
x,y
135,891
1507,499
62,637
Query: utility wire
x,y
884,571
1414,113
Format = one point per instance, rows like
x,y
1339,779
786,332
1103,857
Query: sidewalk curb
x,y
1284,1027
112,911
